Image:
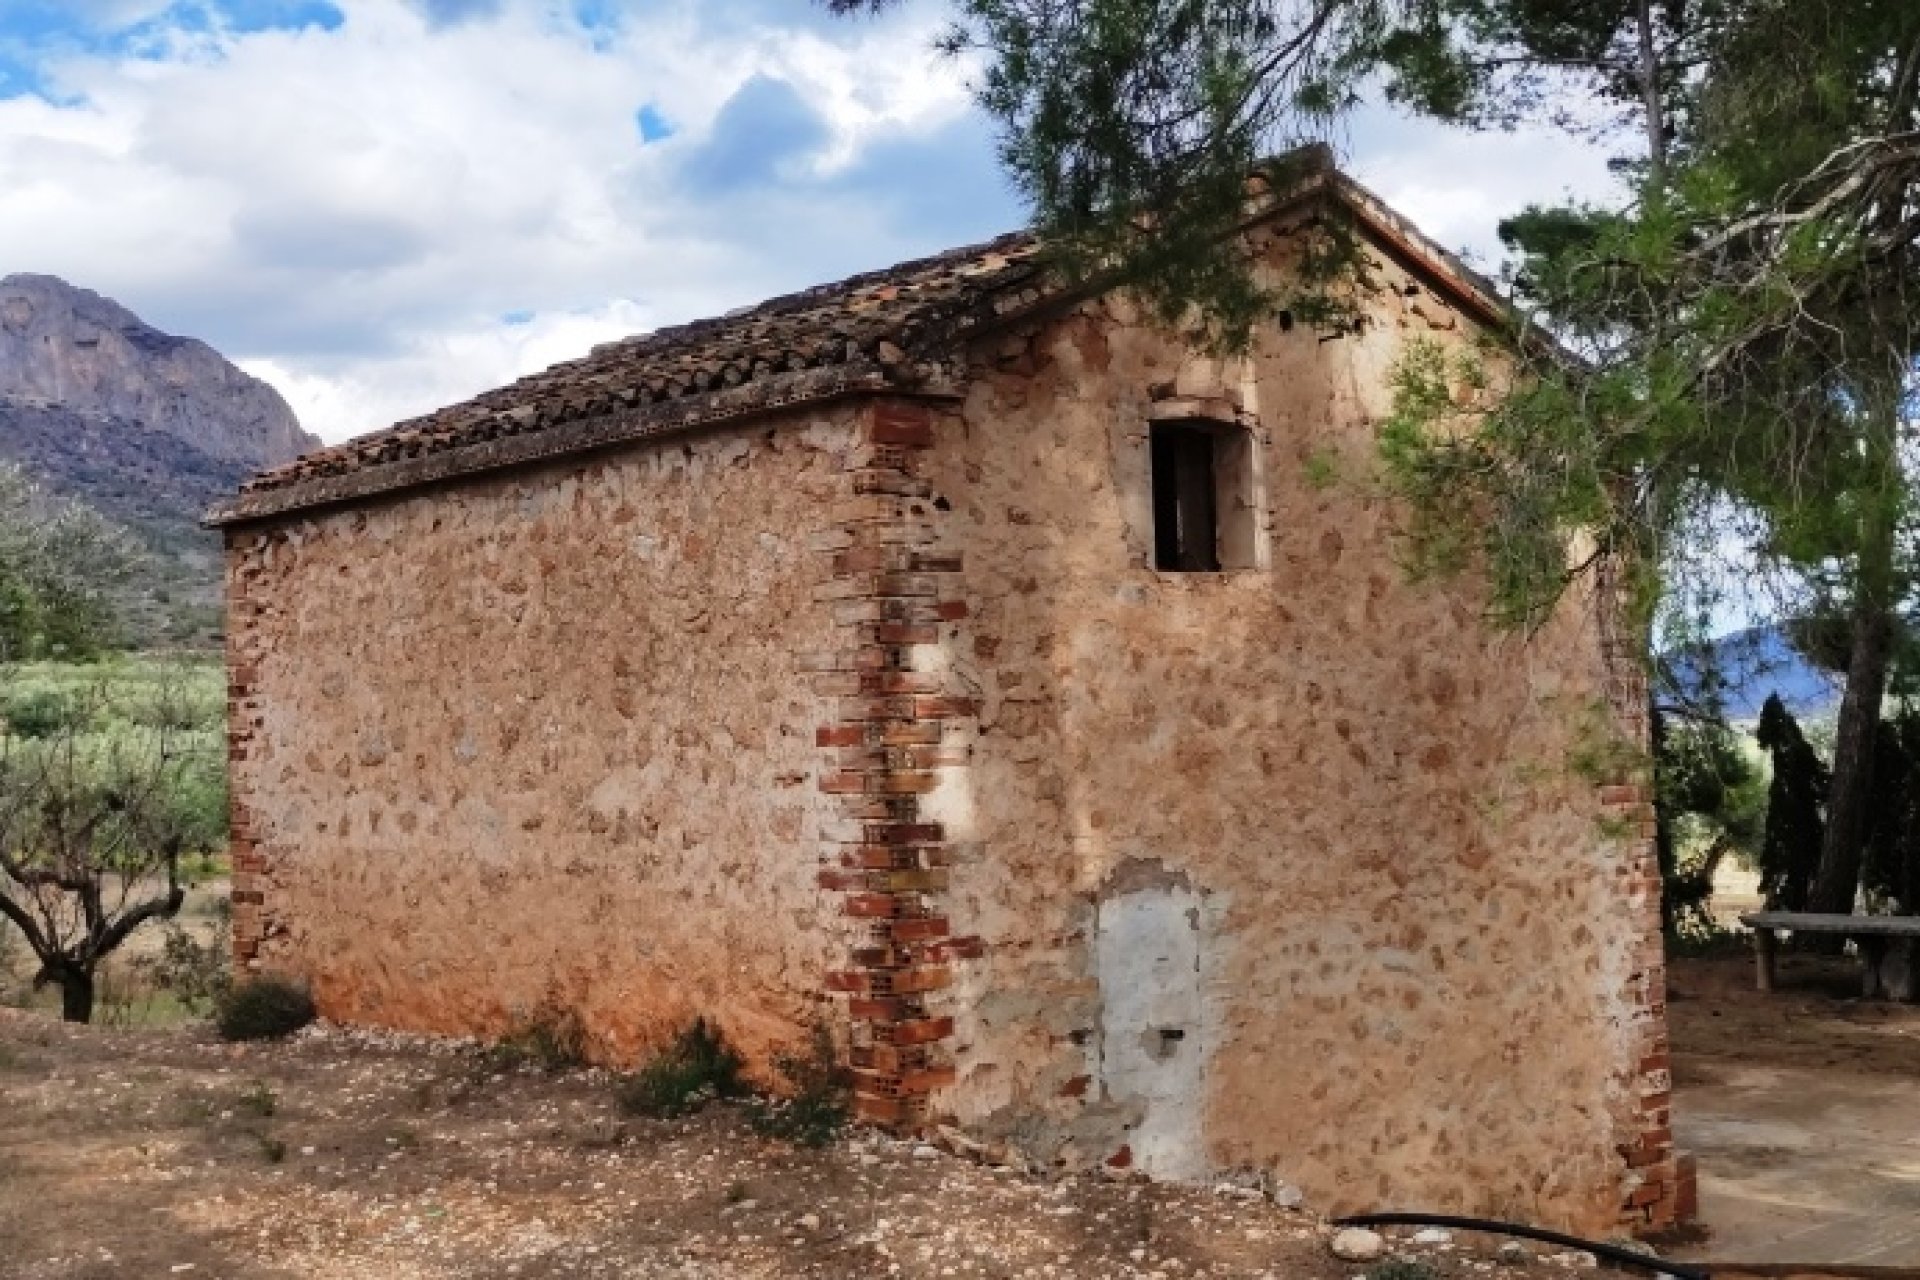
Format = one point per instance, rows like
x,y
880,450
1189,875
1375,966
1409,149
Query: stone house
x,y
967,661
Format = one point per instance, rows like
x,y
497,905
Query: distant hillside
x,y
1749,665
144,426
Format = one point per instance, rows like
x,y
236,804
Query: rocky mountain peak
x,y
68,348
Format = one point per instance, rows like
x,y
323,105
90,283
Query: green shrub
x,y
263,1009
41,712
821,1098
696,1068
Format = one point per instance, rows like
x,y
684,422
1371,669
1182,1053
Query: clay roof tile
x,y
864,333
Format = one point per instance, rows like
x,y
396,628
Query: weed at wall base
x,y
263,1009
696,1068
821,1101
551,1039
700,1067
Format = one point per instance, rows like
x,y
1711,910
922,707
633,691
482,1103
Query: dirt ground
x,y
1801,1109
354,1154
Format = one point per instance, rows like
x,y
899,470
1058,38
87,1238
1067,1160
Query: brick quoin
x,y
1659,1190
248,859
891,740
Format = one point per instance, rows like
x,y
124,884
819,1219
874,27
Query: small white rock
x,y
1433,1236
925,1152
1288,1196
1357,1244
809,1222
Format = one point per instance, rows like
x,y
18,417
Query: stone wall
x,y
1297,869
545,742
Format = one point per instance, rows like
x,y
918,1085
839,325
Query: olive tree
x,y
108,787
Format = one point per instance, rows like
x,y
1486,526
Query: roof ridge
x,y
895,325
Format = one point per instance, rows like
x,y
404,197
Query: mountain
x,y
71,348
146,427
1749,665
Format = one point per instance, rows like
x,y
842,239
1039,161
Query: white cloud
x,y
356,213
1458,186
439,368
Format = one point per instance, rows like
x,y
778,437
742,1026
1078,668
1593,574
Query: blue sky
x,y
34,33
386,205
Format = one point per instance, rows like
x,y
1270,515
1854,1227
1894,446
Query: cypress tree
x,y
1796,821
1891,869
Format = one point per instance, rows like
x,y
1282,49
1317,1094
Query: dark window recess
x,y
1186,536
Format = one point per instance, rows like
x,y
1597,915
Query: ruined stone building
x,y
966,660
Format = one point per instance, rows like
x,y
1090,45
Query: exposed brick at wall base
x,y
244,571
892,737
1658,1190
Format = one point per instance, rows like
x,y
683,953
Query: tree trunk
x,y
1849,796
1651,100
76,995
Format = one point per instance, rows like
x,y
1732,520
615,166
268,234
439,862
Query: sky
x,y
385,206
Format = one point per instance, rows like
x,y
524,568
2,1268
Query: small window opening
x,y
1186,531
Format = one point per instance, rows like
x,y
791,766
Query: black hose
x,y
1606,1252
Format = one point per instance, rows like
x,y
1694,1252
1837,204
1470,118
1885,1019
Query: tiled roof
x,y
864,331
901,326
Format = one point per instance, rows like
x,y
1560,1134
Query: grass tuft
x,y
551,1040
820,1103
695,1069
257,1099
1402,1269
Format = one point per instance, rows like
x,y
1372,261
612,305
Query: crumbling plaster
x,y
1412,939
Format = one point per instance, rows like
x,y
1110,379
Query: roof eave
x,y
776,394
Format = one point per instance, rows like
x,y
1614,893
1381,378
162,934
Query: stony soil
x,y
350,1154
1814,1019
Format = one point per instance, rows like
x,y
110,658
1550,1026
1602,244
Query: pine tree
x,y
1745,323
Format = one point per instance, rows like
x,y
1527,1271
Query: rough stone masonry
x,y
964,660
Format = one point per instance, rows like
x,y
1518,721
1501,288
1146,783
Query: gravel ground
x,y
354,1154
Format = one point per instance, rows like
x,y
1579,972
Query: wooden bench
x,y
1887,947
